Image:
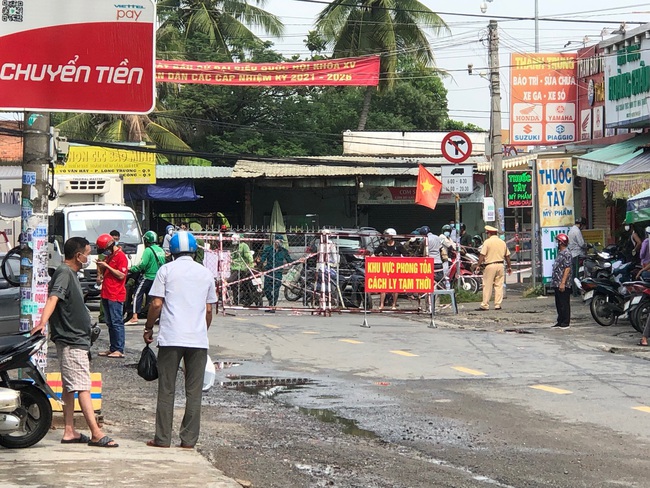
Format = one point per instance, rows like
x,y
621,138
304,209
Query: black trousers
x,y
563,305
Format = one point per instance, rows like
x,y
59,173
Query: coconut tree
x,y
164,132
390,28
222,22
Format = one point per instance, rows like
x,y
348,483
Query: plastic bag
x,y
148,365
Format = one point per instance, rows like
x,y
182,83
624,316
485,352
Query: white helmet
x,y
390,232
235,239
647,230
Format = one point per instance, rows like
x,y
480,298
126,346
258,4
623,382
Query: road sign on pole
x,y
456,147
77,56
457,179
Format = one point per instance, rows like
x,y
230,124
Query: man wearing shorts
x,y
70,328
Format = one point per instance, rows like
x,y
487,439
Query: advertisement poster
x,y
555,192
519,186
543,99
549,250
68,56
399,275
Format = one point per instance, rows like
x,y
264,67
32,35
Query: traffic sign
x,y
457,179
456,147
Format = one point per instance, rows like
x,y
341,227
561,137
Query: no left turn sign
x,y
456,147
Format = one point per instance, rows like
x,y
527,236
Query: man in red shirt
x,y
113,270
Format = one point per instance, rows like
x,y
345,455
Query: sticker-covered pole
x,y
34,276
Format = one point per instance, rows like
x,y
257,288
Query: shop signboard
x,y
599,119
543,98
627,85
405,195
555,192
135,167
520,189
549,250
585,124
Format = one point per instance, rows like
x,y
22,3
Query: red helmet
x,y
562,239
104,241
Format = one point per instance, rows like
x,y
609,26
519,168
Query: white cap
x,y
390,232
647,230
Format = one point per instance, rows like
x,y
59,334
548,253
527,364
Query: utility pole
x,y
496,154
34,220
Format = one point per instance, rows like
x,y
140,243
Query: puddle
x,y
264,386
219,365
349,426
518,331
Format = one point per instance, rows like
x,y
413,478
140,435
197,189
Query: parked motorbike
x,y
637,305
606,299
25,416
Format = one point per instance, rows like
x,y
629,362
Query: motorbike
x,y
25,419
606,298
637,306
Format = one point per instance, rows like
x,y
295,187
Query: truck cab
x,y
88,206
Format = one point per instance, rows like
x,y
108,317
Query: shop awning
x,y
630,178
163,191
595,164
509,162
638,208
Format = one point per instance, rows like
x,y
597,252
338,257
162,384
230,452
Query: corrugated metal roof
x,y
508,163
175,172
638,164
255,169
618,153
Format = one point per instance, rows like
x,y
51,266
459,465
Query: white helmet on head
x,y
235,239
390,232
647,230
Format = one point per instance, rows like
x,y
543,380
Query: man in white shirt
x,y
183,293
577,249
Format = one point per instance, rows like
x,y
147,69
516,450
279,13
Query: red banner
x,y
399,275
345,71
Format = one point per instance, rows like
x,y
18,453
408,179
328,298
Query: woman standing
x,y
272,257
561,281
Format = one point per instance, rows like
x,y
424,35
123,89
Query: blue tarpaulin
x,y
162,191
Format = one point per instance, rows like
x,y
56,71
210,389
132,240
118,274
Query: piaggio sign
x,y
71,56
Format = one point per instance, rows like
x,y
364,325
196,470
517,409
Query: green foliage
x,y
533,291
462,296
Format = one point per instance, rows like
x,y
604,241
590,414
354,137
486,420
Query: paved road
x,y
552,371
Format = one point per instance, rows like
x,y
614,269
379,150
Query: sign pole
x,y
34,221
458,276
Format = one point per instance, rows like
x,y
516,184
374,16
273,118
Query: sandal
x,y
115,354
643,344
82,439
104,442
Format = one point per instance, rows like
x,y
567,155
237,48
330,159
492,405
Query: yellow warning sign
x,y
136,167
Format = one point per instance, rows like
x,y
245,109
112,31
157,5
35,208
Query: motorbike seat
x,y
9,342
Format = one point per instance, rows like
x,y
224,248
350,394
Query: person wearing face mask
x,y
169,232
448,247
70,330
273,256
114,269
644,255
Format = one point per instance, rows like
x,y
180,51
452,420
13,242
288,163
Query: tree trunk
x,y
365,109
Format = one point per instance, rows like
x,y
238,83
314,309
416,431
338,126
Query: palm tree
x,y
222,22
391,28
165,133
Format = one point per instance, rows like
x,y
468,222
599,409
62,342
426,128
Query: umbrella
x,y
277,223
638,208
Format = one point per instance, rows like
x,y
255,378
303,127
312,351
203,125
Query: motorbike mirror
x,y
607,265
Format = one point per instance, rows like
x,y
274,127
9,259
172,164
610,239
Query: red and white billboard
x,y
362,71
542,99
77,56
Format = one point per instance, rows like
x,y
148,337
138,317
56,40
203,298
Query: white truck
x,y
88,205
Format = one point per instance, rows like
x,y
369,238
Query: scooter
x,y
25,415
606,299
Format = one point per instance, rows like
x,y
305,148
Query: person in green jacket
x,y
152,259
241,262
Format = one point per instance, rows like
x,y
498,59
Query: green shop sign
x,y
631,83
520,189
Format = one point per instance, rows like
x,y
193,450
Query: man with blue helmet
x,y
182,296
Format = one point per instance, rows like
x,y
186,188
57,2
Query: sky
x,y
468,96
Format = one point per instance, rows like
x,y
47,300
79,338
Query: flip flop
x,y
103,442
104,353
115,354
642,344
82,439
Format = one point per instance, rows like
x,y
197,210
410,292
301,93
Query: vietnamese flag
x,y
428,189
